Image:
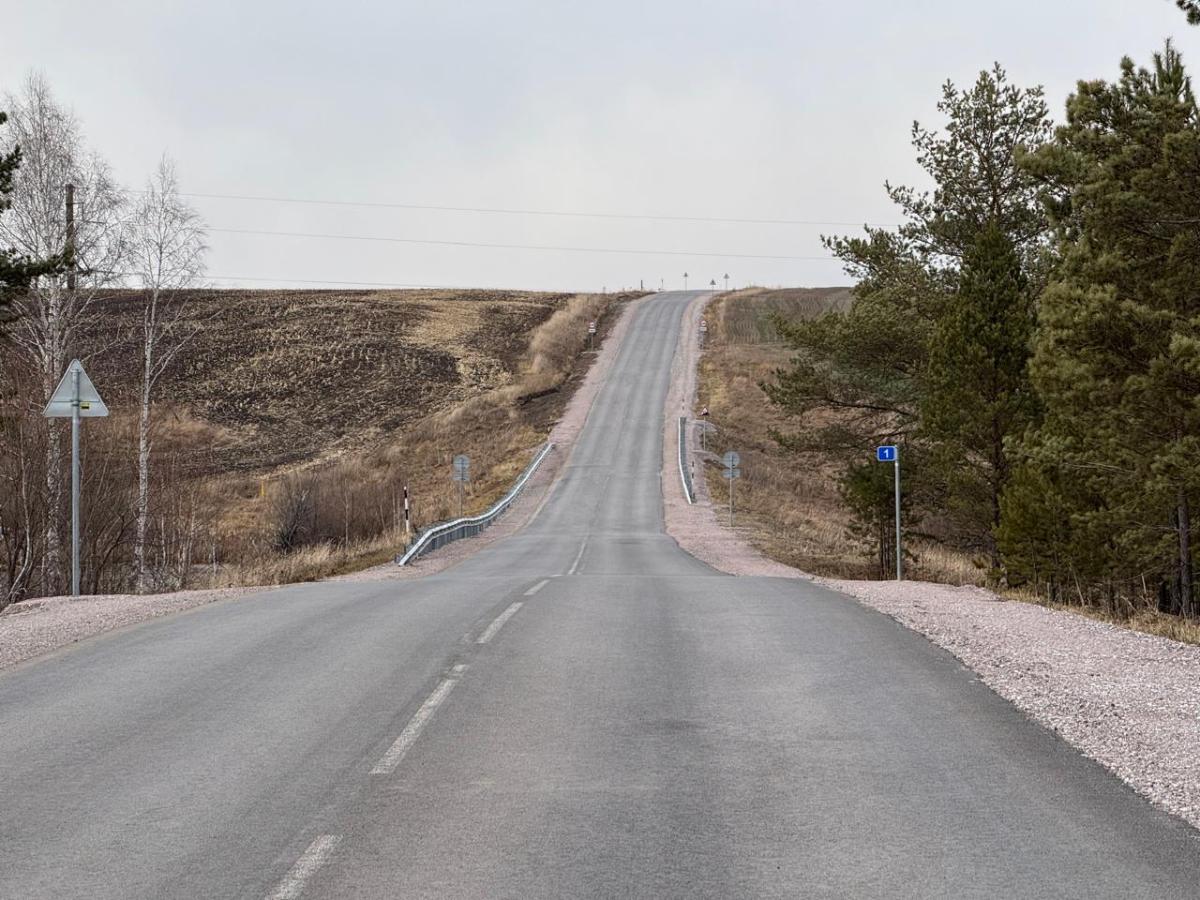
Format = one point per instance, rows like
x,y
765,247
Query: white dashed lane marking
x,y
317,854
417,723
499,621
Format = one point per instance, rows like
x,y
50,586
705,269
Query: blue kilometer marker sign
x,y
886,454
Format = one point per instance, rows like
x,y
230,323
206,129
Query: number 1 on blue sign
x,y
886,454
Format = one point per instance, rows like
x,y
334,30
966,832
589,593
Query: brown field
x,y
788,504
283,377
355,394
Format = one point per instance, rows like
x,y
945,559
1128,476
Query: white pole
x,y
75,420
899,547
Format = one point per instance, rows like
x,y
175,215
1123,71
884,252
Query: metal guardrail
x,y
685,476
439,535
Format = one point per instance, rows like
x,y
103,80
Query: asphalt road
x,y
639,726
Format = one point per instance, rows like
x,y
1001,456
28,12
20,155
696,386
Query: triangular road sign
x,y
63,400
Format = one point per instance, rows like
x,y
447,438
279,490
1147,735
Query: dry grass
x,y
789,505
1146,619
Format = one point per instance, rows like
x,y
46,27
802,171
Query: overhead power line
x,y
572,214
497,246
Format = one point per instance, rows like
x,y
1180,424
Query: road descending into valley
x,y
580,710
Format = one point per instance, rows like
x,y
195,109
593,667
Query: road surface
x,y
580,710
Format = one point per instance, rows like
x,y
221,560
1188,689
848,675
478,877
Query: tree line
x,y
1030,335
69,235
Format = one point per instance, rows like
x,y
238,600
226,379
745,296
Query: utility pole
x,y
70,248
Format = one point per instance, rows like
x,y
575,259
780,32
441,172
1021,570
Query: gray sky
x,y
750,109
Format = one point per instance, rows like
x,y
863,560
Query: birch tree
x,y
52,315
166,254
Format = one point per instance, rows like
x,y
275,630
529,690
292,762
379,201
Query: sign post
x,y
591,333
75,397
462,474
731,460
891,453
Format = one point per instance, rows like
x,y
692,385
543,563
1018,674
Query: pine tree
x,y
1192,8
862,377
977,391
1117,354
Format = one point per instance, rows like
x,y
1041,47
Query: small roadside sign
x,y
731,473
63,400
75,398
591,327
462,468
890,453
703,326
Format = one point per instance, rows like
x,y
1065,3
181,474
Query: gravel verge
x,y
35,627
1127,700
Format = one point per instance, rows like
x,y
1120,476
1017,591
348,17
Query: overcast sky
x,y
740,109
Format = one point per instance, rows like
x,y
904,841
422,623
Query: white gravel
x,y
1129,701
35,627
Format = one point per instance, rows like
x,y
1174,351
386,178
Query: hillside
x,y
278,378
289,426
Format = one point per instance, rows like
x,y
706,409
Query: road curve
x,y
579,710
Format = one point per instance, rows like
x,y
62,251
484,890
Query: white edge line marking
x,y
537,587
498,622
317,854
387,764
578,557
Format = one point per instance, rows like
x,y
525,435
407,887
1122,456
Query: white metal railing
x,y
439,535
685,477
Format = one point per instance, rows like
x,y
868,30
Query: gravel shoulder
x,y
36,627
1127,700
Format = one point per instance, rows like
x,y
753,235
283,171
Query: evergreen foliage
x,y
1117,354
875,373
977,391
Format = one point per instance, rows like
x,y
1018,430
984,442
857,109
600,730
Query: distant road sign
x,y
731,460
887,453
730,474
591,327
62,401
462,468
